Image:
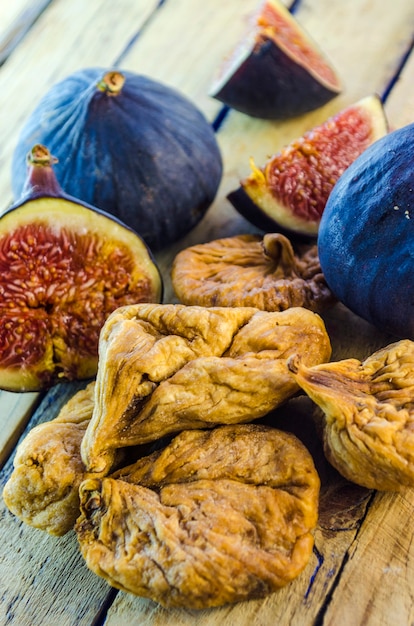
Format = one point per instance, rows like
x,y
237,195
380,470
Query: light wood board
x,y
362,568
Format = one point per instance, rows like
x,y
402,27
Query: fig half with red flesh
x,y
290,191
277,71
64,266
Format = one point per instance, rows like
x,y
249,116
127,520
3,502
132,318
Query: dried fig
x,y
216,517
368,431
166,368
250,270
43,489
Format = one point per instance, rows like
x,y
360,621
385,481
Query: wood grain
x,y
376,585
361,569
16,19
16,409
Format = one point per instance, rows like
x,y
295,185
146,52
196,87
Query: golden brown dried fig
x,y
216,517
43,487
368,430
167,368
250,270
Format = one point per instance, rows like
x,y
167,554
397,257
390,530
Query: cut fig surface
x,y
63,268
277,71
291,190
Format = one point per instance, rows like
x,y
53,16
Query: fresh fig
x,y
290,192
129,145
277,71
64,267
366,235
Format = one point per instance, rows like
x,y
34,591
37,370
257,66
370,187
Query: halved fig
x,y
277,71
291,190
64,266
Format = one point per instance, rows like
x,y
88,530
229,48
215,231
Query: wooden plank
x,y
16,408
16,18
384,553
368,49
47,583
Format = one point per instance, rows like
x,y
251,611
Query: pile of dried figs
x,y
174,494
162,466
175,491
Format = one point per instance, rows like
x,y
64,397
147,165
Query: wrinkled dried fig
x,y
216,517
43,487
249,270
368,430
167,368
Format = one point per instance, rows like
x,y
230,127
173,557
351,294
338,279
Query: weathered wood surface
x,y
362,569
17,18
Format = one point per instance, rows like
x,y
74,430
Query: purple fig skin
x,y
41,179
278,71
366,235
129,145
270,84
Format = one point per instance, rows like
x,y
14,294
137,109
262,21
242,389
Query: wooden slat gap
x,y
319,620
220,117
19,27
119,60
294,6
101,616
319,562
394,80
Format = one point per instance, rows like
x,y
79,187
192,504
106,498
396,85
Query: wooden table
x,y
362,569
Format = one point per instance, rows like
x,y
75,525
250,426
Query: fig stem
x,y
293,363
41,179
111,83
278,248
40,155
